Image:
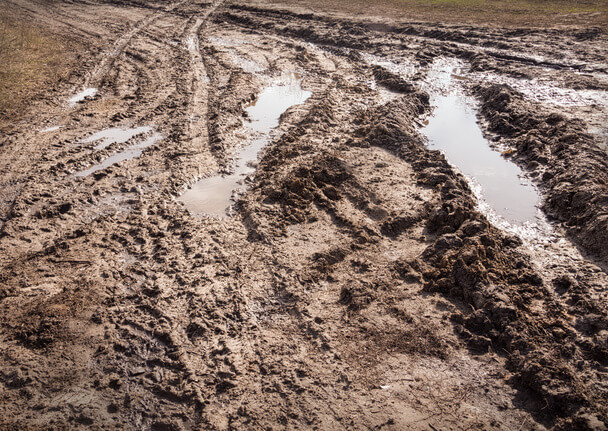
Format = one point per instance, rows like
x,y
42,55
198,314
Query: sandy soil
x,y
357,284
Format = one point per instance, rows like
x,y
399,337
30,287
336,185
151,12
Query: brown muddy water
x,y
453,130
503,193
499,184
213,196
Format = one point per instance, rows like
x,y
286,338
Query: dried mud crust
x,y
561,156
355,287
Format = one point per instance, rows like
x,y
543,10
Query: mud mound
x,y
391,81
561,156
318,179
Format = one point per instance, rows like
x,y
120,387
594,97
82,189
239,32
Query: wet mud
x,y
214,196
358,281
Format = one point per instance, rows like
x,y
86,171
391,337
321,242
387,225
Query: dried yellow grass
x,y
30,61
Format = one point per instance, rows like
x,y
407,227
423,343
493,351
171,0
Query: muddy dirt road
x,y
360,280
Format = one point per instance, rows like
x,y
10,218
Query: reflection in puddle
x,y
213,196
115,135
503,194
453,129
87,92
130,153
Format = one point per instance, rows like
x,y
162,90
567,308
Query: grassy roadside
x,y
31,61
535,13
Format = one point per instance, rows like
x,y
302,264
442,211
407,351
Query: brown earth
x,y
356,286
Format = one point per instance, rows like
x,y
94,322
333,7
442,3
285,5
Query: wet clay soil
x,y
357,281
214,196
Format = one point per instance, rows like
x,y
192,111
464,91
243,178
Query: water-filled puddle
x,y
114,135
79,97
130,153
213,196
453,129
51,129
192,43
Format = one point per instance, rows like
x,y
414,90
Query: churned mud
x,y
270,218
214,196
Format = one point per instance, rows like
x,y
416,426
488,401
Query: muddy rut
x,y
356,284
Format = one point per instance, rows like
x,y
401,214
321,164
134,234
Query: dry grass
x,y
31,60
541,13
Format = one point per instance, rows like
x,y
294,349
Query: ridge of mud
x,y
226,111
468,260
472,261
561,156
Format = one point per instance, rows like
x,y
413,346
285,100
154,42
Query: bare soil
x,y
357,284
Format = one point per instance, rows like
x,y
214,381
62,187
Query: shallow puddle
x,y
79,97
115,135
192,43
129,153
213,196
51,129
453,129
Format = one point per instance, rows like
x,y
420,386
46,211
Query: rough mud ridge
x,y
472,261
231,89
561,156
488,48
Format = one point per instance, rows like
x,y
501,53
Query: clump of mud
x,y
391,81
